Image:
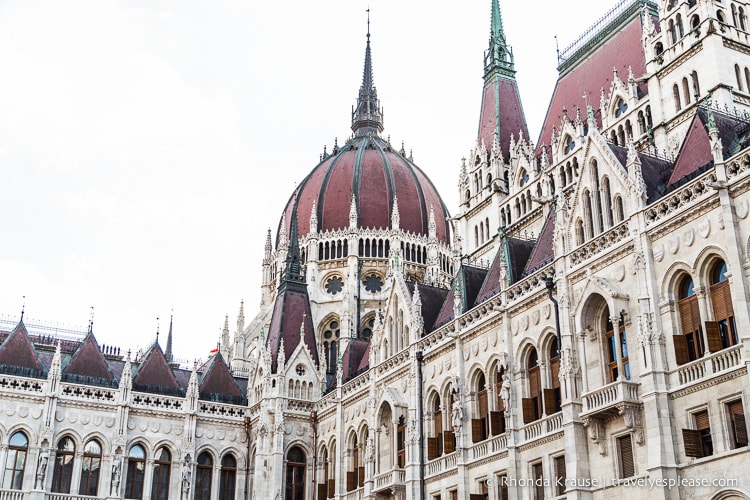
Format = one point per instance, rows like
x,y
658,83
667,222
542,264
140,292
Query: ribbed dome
x,y
368,168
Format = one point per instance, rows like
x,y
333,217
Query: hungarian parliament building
x,y
573,329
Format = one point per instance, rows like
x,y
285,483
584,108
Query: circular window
x,y
367,328
334,285
300,370
373,283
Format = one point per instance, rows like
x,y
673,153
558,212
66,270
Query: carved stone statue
x,y
116,472
457,414
505,391
41,469
186,477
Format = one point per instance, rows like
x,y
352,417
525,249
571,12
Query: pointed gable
x,y
88,361
218,381
544,250
154,373
18,351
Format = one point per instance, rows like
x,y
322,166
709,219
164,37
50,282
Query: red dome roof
x,y
375,174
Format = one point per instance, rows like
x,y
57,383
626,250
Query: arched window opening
x,y
92,461
487,227
659,48
532,405
569,172
721,299
523,178
480,425
597,201
401,443
720,16
620,108
435,443
734,15
580,235
680,27
619,209
481,232
672,32
467,196
489,180
570,145
641,123
162,474
607,199
203,469
741,18
613,354
227,477
354,479
588,214
63,471
689,345
136,472
331,335
737,75
296,462
15,462
695,22
613,137
686,90
676,96
476,236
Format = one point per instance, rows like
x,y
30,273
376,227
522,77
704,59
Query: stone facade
x,y
593,347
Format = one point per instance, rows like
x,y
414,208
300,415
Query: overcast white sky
x,y
146,146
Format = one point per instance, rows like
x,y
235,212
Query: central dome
x,y
377,177
367,171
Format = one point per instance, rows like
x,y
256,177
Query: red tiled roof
x,y
374,173
155,371
621,51
17,350
501,102
291,306
218,379
88,361
544,250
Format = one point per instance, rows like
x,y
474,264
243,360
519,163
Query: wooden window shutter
x,y
482,400
476,430
322,491
534,382
497,422
722,300
351,481
500,402
331,487
361,478
689,315
550,401
681,352
561,472
477,496
627,465
701,420
714,336
528,410
739,426
432,448
449,441
555,372
693,444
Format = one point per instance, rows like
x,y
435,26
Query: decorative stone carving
x,y
597,433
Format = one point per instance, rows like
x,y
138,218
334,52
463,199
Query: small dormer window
x,y
524,178
570,144
621,108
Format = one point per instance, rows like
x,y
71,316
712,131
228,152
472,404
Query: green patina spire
x,y
499,55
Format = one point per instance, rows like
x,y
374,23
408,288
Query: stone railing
x,y
530,284
60,496
12,495
354,495
441,464
599,244
680,199
210,409
14,384
157,402
724,360
495,444
738,165
608,398
541,427
390,479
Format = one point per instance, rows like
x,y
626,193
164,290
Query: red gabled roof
x,y
218,379
18,351
154,370
502,112
544,250
88,360
621,51
291,307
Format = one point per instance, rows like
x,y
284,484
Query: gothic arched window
x,y
136,472
721,299
532,405
228,477
15,462
331,334
295,474
63,471
161,475
203,470
612,353
689,345
480,424
92,461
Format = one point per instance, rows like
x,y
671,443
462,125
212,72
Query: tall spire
x,y
499,55
367,116
168,352
293,266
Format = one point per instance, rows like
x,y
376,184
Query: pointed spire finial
x,y
23,308
367,116
168,353
293,266
499,56
91,320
